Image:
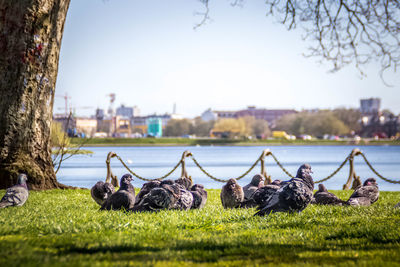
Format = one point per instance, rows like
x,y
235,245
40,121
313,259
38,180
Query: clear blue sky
x,y
149,55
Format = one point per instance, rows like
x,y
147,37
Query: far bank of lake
x,y
90,142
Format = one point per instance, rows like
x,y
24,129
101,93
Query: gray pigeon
x,y
397,205
160,198
261,195
365,195
323,197
146,188
123,198
186,181
101,191
199,196
185,199
17,194
250,189
232,194
293,196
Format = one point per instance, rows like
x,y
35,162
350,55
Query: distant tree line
x,y
230,128
333,122
196,127
340,121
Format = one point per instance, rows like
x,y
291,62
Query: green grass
x,y
65,228
208,141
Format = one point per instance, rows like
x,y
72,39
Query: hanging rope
x,y
334,173
280,165
222,180
261,158
378,174
145,179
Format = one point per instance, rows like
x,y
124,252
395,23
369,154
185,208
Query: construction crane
x,y
111,107
73,109
111,114
66,97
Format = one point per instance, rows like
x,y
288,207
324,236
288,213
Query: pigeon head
x,y
109,189
258,180
167,182
22,178
304,170
197,187
370,181
232,184
304,173
126,179
322,188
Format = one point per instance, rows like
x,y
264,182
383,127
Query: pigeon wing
x,y
15,196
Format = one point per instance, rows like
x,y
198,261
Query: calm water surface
x,y
231,161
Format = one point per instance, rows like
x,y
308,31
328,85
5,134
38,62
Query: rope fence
x,y
350,158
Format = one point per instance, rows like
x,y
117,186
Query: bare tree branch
x,y
346,32
342,32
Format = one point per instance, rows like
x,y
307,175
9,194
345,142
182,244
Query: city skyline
x,y
92,113
147,53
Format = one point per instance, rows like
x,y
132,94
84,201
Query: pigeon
x,y
17,194
261,195
365,195
199,196
123,198
146,188
250,189
186,181
101,191
323,197
232,194
163,197
293,196
185,199
397,205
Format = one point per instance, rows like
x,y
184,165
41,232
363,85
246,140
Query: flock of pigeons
x,y
155,195
293,195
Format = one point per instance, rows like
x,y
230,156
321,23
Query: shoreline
x,y
147,142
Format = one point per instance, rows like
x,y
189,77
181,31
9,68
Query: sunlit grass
x,y
65,228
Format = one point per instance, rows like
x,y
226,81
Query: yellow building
x,y
86,126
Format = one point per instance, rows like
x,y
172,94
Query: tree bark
x,y
30,41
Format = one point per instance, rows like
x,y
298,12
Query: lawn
x,y
65,228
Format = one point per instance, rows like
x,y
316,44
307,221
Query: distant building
x,y
370,106
154,127
139,124
165,118
122,126
213,115
77,126
99,114
377,123
86,126
269,115
123,111
136,111
209,115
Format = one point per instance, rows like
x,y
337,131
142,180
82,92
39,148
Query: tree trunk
x,y
30,41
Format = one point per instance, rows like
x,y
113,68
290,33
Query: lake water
x,y
231,161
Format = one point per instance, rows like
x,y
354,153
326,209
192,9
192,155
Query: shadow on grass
x,y
211,252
